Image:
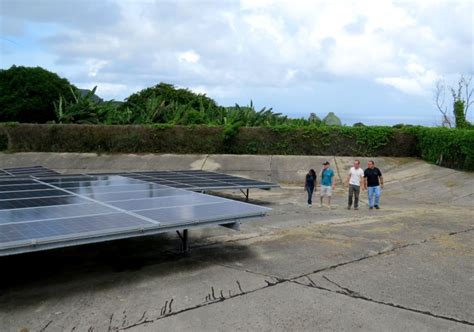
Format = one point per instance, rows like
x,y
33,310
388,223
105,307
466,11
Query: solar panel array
x,y
198,180
44,211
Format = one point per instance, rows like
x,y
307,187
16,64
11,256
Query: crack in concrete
x,y
347,292
383,252
460,232
205,304
343,291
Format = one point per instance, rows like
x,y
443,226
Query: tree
x,y
462,100
168,99
27,94
332,120
85,108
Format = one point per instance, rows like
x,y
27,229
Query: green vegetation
x,y
462,100
165,119
445,147
34,95
83,108
28,94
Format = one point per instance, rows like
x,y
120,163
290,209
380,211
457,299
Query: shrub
x,y
446,147
452,148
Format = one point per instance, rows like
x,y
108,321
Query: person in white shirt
x,y
356,174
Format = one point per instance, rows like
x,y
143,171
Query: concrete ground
x,y
408,266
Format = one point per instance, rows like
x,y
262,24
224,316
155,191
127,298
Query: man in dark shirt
x,y
373,182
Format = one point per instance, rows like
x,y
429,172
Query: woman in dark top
x,y
310,184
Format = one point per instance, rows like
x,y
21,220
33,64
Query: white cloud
x,y
234,46
94,65
106,90
188,56
417,80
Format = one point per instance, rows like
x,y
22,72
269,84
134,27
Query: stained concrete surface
x,y
408,266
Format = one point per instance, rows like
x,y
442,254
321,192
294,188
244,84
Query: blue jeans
x,y
310,191
374,191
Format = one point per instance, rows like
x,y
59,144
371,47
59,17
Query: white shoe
x,y
309,205
320,205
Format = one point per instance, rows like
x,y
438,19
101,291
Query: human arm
x,y
380,178
361,179
365,180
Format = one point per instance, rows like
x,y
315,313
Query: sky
x,y
370,61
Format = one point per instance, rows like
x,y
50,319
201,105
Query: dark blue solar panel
x,y
31,194
13,181
199,180
161,202
36,202
68,226
137,195
200,213
19,187
45,211
52,212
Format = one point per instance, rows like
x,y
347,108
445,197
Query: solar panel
x,y
29,171
58,211
198,180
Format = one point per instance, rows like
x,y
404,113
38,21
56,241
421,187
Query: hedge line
x,y
452,148
448,147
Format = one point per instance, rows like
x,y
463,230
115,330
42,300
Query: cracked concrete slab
x,y
289,253
408,277
103,299
291,307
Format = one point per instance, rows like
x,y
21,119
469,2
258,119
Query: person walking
x,y
373,182
356,174
327,183
310,185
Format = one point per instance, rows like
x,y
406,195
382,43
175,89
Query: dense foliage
x,y
28,94
165,104
447,147
83,108
35,95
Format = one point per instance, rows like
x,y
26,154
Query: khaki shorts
x,y
326,191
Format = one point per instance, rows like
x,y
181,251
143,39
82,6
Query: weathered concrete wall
x,y
281,169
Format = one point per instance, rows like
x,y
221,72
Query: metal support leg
x,y
184,241
246,194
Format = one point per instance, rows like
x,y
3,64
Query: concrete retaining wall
x,y
279,169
